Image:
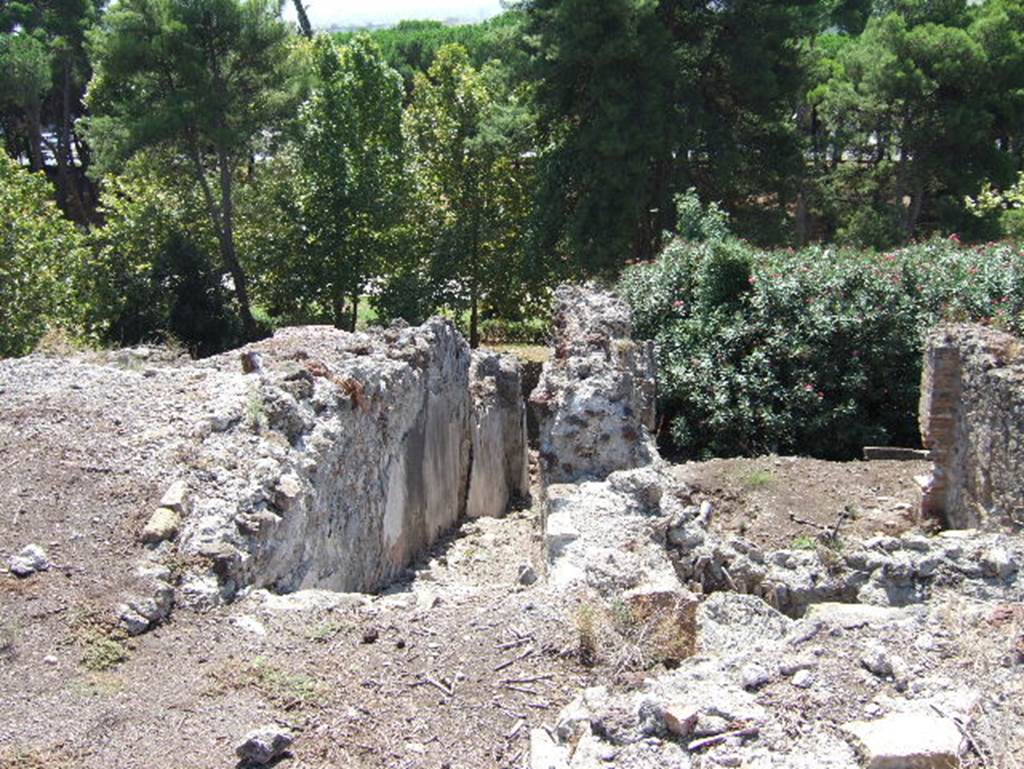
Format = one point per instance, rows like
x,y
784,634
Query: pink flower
x,y
809,387
679,304
954,238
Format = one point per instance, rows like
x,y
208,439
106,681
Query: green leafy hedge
x,y
815,352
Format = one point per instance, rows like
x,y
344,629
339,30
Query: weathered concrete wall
x,y
330,460
972,417
595,402
501,465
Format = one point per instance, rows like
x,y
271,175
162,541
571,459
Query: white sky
x,y
324,13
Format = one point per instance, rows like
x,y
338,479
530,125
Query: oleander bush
x,y
813,352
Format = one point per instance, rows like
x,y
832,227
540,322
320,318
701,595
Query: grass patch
x,y
8,639
324,631
805,543
757,479
103,653
96,684
104,646
528,353
636,634
255,412
284,688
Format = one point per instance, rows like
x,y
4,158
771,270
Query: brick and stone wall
x,y
972,421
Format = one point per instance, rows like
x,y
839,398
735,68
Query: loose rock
x,y
908,740
262,746
30,560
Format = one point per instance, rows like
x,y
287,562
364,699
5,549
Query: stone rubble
x,y
28,561
908,741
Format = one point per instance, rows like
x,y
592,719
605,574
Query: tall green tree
x,y
469,139
606,78
206,77
351,154
908,95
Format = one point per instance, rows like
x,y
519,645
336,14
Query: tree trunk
x,y
801,219
227,247
474,317
222,217
304,25
338,318
35,138
72,201
355,312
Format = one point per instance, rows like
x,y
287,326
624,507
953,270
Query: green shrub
x,y
153,275
820,353
41,253
503,331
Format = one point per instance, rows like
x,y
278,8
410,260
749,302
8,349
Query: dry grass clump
x,y
638,632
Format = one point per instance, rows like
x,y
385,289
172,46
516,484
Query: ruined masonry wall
x,y
972,420
340,457
595,402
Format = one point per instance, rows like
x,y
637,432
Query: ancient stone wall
x,y
501,466
972,416
595,402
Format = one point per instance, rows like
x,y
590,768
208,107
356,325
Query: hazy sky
x,y
323,13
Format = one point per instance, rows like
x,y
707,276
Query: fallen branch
x,y
513,644
523,689
528,679
428,681
749,731
805,522
508,663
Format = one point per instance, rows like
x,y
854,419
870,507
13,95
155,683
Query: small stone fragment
x,y
163,525
49,659
876,659
289,489
907,740
133,623
30,560
176,497
803,679
545,753
754,676
527,574
680,718
262,746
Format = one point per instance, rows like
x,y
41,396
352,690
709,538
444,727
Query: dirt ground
x,y
781,502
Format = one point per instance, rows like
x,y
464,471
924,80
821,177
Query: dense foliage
x,y
228,173
816,351
41,254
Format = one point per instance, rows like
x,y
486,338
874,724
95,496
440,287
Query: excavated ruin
x,y
340,457
620,529
246,486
